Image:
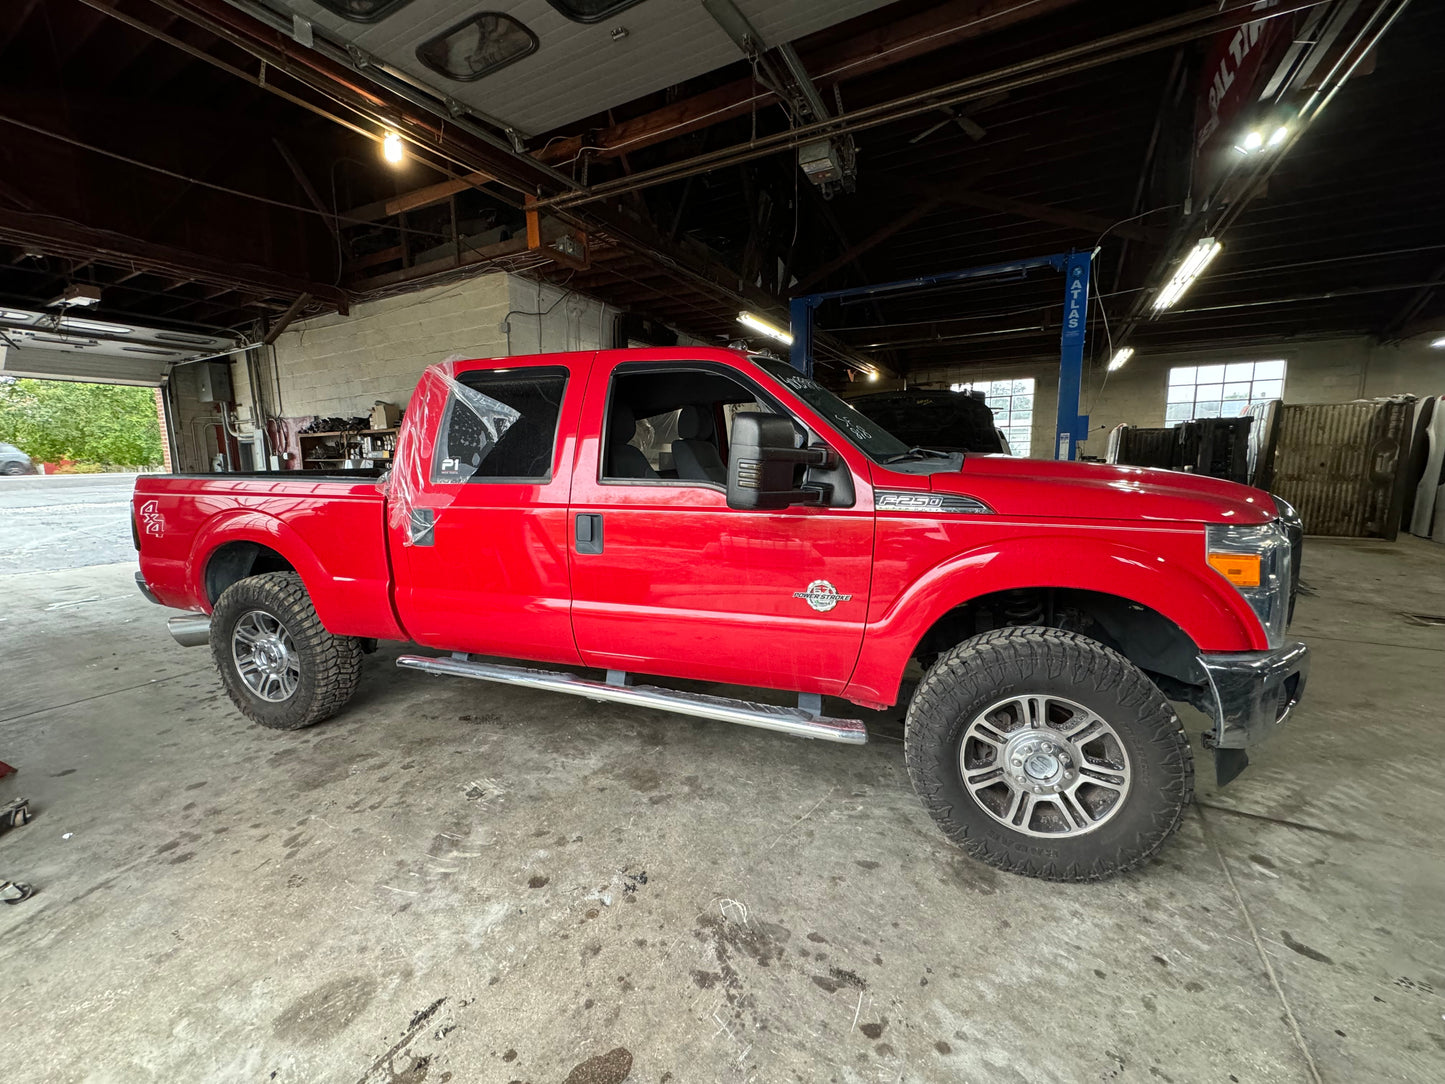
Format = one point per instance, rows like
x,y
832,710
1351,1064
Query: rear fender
x,y
1212,615
345,605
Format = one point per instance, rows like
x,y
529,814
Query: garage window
x,y
363,11
591,11
1221,391
1012,403
500,427
477,46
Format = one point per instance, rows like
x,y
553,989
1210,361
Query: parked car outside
x,y
14,461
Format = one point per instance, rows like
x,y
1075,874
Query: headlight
x,y
1257,561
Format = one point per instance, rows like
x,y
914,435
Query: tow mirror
x,y
763,462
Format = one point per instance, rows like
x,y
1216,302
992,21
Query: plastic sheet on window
x,y
424,437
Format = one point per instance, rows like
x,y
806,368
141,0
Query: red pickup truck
x,y
714,515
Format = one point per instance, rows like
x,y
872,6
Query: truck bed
x,y
329,526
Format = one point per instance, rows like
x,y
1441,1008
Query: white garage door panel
x,y
82,365
578,70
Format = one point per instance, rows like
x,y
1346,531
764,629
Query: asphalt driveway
x,y
54,522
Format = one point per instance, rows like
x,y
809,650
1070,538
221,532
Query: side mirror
x,y
763,462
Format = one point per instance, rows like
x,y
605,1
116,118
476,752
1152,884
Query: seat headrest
x,y
695,423
623,425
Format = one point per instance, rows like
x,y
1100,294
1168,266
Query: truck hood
x,y
1065,490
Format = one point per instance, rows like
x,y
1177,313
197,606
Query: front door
x,y
478,510
667,579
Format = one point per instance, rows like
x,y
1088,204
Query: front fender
x,y
347,604
1202,604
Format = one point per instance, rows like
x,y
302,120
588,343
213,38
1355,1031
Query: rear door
x,y
667,579
478,521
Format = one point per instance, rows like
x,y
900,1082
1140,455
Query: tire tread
x,y
985,660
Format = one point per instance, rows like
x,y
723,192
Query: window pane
x,y
1236,391
1181,394
500,426
1182,375
1022,417
1178,412
1269,370
1209,391
1024,402
1267,389
1207,410
477,47
1239,370
590,11
1022,387
1210,374
363,11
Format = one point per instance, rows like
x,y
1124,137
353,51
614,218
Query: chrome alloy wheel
x,y
1044,766
265,657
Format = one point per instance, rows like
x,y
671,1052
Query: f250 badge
x,y
821,595
150,514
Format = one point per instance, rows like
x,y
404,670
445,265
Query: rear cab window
x,y
500,425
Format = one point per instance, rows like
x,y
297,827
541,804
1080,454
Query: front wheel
x,y
279,664
1046,753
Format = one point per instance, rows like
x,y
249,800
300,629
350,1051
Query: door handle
x,y
589,532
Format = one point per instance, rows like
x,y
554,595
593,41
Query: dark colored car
x,y
948,421
14,461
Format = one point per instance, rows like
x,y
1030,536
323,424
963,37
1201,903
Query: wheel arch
x,y
1135,591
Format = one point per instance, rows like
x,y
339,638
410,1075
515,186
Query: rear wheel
x,y
1046,753
12,468
279,664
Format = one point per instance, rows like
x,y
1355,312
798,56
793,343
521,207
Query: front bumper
x,y
1253,694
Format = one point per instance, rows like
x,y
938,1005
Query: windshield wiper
x,y
918,453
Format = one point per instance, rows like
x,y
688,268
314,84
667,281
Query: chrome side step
x,y
796,721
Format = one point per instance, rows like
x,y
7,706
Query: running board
x,y
796,721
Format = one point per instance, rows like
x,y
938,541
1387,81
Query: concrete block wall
x,y
1319,371
341,365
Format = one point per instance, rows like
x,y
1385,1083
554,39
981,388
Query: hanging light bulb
x,y
392,149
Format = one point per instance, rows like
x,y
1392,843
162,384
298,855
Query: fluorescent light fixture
x,y
1121,355
1438,344
764,327
95,327
1192,267
391,148
1279,136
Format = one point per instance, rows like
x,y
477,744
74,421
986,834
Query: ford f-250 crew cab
x,y
712,515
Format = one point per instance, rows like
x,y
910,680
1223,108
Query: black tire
x,y
330,666
981,673
12,468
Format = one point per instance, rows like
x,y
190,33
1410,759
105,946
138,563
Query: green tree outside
x,y
103,424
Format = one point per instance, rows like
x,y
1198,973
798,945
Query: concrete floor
x,y
455,882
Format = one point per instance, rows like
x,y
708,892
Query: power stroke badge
x,y
821,595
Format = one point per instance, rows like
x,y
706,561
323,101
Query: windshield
x,y
870,437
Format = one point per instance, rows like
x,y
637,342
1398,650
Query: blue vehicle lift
x,y
1072,426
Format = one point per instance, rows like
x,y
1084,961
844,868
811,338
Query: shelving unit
x,y
366,447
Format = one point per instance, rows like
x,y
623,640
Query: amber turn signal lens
x,y
1240,569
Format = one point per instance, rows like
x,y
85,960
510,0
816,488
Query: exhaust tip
x,y
190,630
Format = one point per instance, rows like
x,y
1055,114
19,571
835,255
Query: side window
x,y
500,426
672,426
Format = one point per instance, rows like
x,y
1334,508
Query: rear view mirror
x,y
763,462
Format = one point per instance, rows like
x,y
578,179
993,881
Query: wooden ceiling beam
x,y
65,238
